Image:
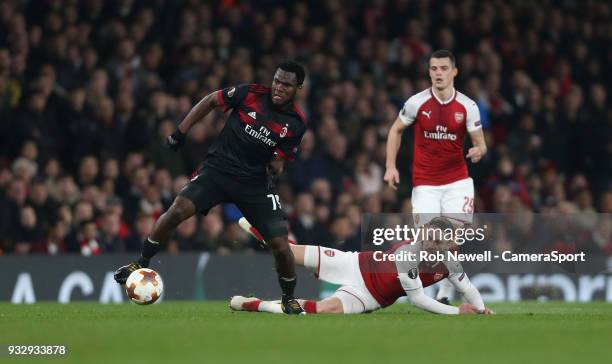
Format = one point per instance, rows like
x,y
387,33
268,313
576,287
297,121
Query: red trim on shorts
x,y
363,304
318,261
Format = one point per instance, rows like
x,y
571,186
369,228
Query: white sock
x,y
270,306
446,289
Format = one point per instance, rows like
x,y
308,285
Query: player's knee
x,y
178,212
279,244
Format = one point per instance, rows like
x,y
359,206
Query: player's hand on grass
x,y
468,309
474,154
392,177
175,140
487,311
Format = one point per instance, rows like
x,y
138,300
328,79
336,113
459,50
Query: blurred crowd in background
x,y
89,89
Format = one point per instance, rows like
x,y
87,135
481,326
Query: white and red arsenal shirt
x,y
439,131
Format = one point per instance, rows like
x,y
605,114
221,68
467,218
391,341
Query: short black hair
x,y
443,53
294,67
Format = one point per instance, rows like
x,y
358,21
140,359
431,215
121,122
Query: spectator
x,y
88,239
54,242
142,227
186,237
109,230
304,224
28,232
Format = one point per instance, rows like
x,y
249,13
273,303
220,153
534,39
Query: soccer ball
x,y
144,286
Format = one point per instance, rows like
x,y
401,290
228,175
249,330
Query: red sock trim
x,y
257,234
251,305
310,306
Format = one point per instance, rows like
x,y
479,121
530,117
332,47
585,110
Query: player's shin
x,y
164,228
285,266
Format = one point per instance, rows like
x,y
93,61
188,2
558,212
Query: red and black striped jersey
x,y
255,130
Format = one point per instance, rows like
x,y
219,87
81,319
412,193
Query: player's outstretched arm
x,y
197,113
394,141
416,295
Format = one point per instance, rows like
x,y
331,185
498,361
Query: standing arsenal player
x,y
264,128
441,116
373,280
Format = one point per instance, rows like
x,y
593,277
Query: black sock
x,y
149,249
287,286
144,262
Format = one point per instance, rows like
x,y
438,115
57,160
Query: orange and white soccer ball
x,y
144,286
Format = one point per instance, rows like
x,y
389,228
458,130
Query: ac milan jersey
x,y
381,277
439,131
255,130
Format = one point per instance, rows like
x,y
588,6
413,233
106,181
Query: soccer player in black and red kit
x,y
263,130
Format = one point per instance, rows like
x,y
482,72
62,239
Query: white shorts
x,y
342,268
454,200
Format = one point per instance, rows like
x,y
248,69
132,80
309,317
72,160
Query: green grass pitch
x,y
206,332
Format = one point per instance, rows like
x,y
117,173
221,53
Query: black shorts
x,y
258,202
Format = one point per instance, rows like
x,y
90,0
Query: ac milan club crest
x,y
283,132
459,117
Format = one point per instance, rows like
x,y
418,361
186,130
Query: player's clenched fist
x,y
175,140
474,154
392,177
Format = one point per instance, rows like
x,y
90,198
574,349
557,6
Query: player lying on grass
x,y
368,284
